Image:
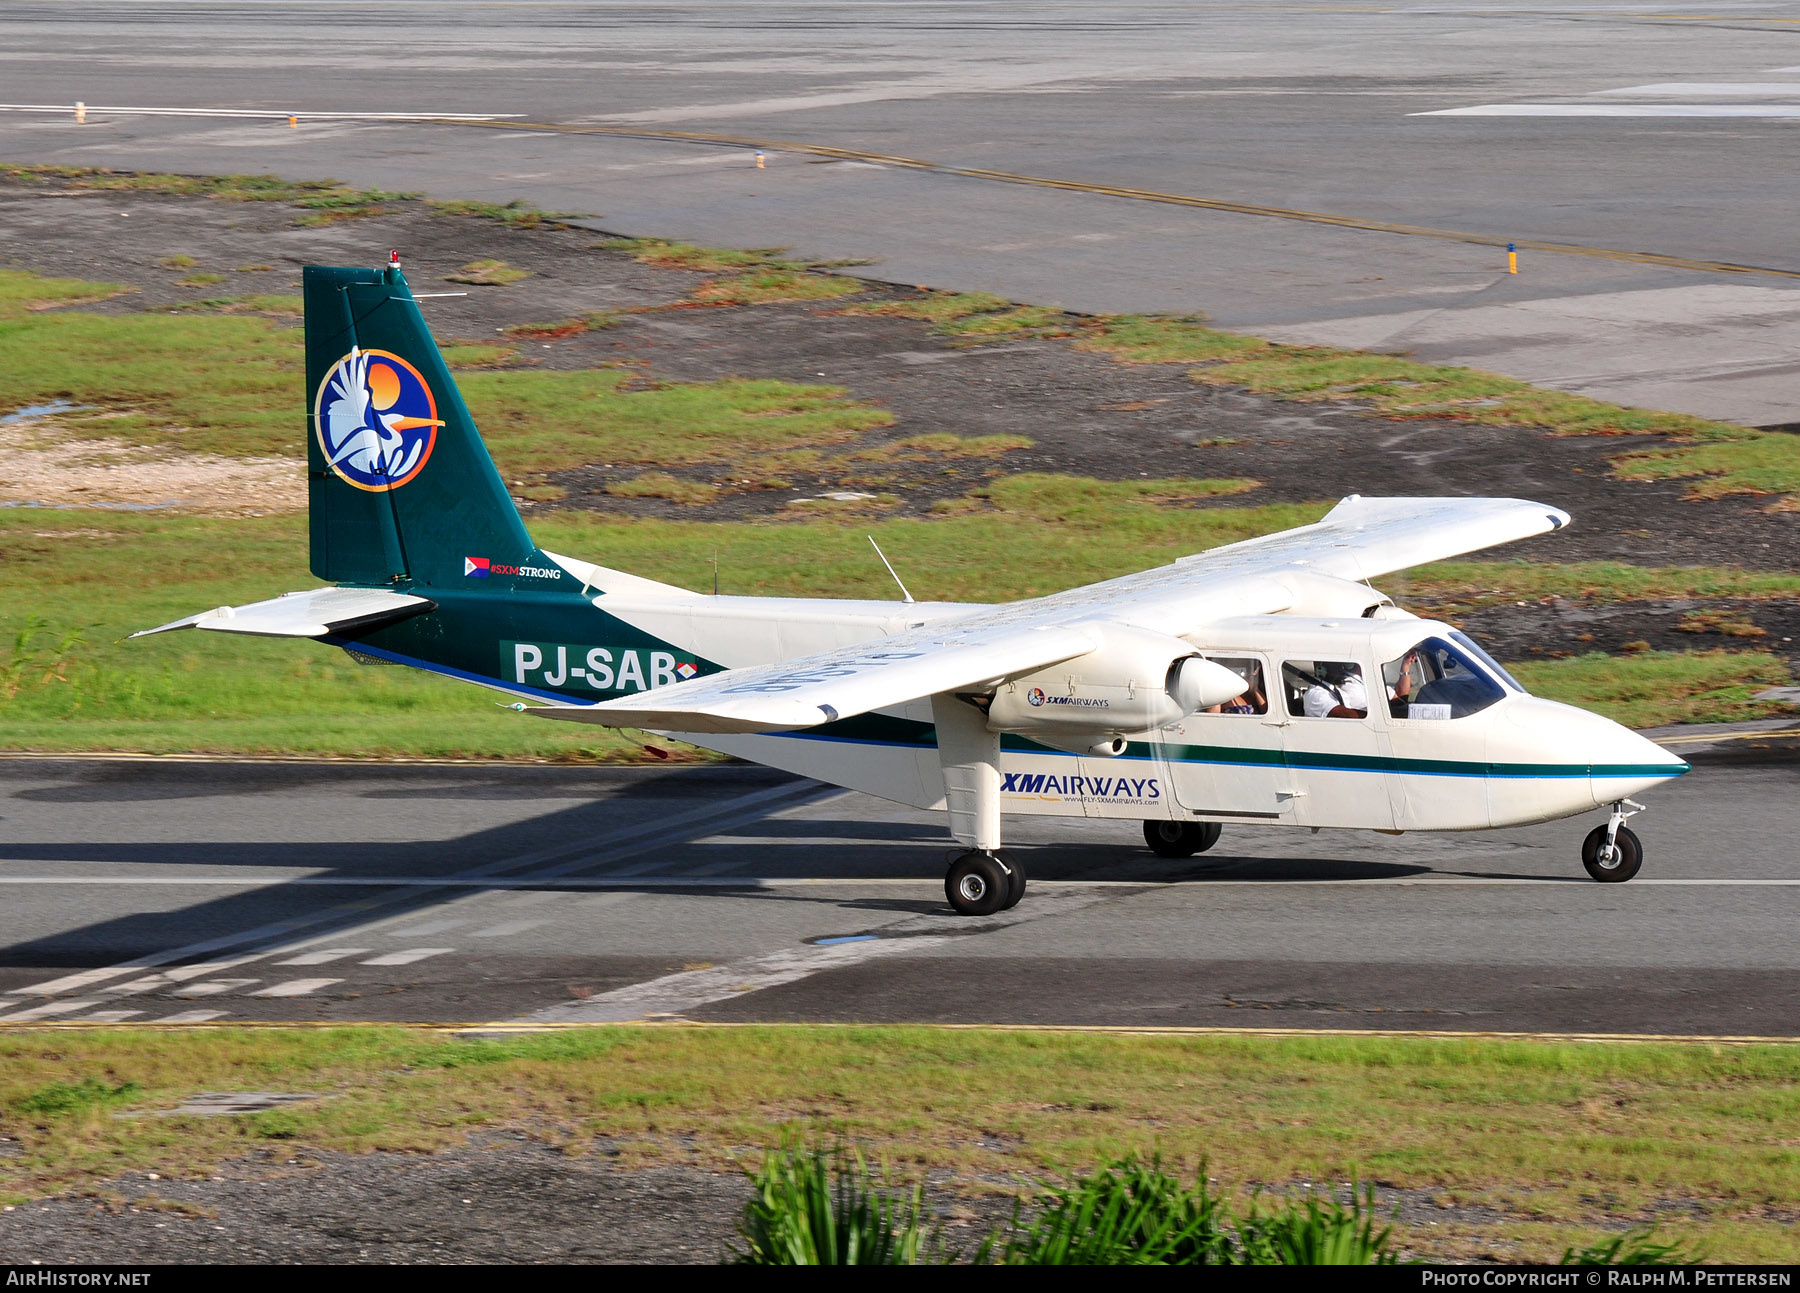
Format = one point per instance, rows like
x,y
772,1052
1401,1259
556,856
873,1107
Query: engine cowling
x,y
1133,681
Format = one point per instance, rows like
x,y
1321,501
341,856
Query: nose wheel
x,y
980,883
1613,853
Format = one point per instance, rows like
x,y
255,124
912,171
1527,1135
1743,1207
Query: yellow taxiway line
x,y
1134,194
1078,1030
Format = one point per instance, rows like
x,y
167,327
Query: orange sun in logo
x,y
384,385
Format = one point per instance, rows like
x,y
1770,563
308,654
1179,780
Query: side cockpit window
x,y
1254,698
1325,689
1438,680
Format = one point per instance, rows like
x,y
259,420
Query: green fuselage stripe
x,y
878,729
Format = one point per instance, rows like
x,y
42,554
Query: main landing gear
x,y
980,883
1180,839
1612,853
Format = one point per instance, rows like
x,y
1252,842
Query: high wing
x,y
821,688
1357,539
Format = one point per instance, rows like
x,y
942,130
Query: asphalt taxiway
x,y
1638,154
190,891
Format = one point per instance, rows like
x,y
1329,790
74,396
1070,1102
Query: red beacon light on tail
x,y
394,259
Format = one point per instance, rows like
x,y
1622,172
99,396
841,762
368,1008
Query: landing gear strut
x,y
1612,853
1180,839
980,883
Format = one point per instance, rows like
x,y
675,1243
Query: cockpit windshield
x,y
1494,667
1440,680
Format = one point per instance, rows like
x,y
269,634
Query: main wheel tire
x,y
1180,839
977,885
1628,855
1015,889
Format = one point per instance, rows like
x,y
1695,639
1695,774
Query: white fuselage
x,y
1520,759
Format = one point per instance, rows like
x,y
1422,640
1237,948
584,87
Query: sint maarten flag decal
x,y
475,567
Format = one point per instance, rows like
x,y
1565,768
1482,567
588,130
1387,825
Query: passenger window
x,y
1436,680
1254,699
1324,689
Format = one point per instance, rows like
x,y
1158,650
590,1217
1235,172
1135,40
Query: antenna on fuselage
x,y
904,595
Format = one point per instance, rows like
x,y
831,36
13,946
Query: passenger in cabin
x,y
1249,701
1337,692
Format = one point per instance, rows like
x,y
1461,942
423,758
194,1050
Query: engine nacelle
x,y
1134,681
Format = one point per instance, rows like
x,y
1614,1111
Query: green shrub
x,y
813,1208
1125,1214
1317,1232
1634,1248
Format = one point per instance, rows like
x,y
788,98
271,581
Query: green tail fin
x,y
401,488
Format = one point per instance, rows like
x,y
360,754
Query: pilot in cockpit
x,y
1337,692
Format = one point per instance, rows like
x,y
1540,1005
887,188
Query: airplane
x,y
1265,682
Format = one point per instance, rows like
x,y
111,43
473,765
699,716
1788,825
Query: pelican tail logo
x,y
377,420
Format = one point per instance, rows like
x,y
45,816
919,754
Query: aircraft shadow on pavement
x,y
883,849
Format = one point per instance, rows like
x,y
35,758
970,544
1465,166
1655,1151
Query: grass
x,y
548,421
1472,585
204,382
594,321
517,214
1029,536
978,315
1718,458
324,201
1565,1140
776,284
685,255
1656,687
1156,339
659,484
753,277
275,305
938,307
489,273
212,379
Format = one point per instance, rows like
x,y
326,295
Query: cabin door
x,y
1229,764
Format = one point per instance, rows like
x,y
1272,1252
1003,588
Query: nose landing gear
x,y
1612,853
980,883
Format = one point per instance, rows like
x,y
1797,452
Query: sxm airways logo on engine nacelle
x,y
565,666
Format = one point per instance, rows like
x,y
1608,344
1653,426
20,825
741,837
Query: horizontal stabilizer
x,y
315,613
810,690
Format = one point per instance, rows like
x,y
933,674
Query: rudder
x,y
401,488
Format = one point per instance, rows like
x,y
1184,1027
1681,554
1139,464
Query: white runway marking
x,y
154,982
1708,90
53,1008
190,1017
111,1016
214,988
410,955
430,927
295,987
676,994
705,880
509,927
1771,111
328,955
261,114
277,937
